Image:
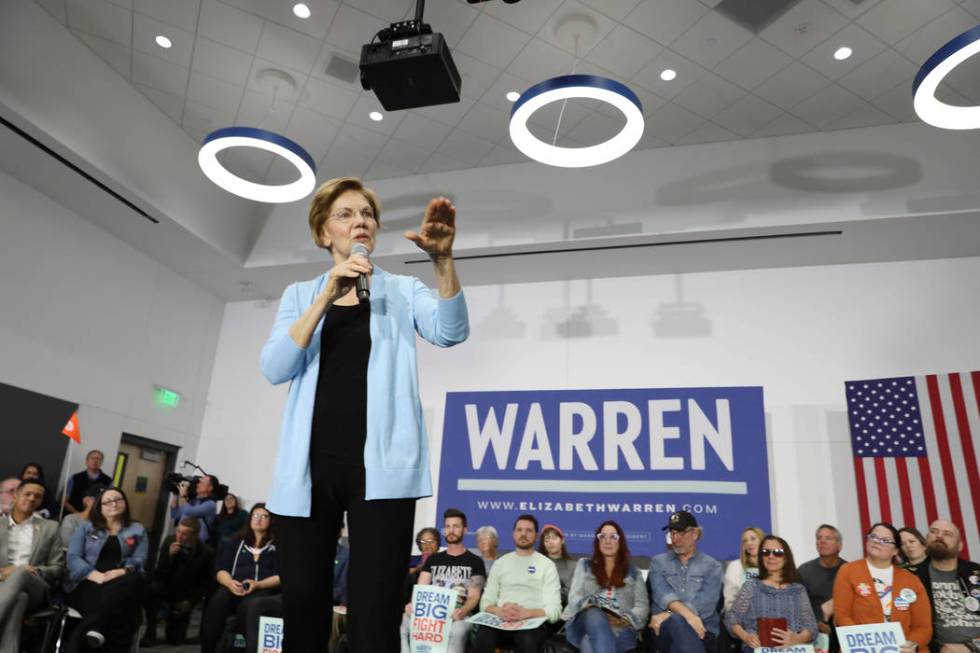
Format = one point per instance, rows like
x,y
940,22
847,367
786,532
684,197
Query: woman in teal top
x,y
352,436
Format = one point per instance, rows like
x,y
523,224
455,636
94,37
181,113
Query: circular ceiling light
x,y
569,87
932,110
163,41
668,74
300,10
842,53
513,96
376,116
267,141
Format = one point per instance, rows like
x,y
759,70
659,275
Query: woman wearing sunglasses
x,y
777,594
607,604
875,590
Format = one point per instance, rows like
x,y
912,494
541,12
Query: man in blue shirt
x,y
204,505
685,587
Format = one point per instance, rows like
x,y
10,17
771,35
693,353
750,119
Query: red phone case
x,y
766,625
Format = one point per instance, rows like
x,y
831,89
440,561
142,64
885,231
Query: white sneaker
x,y
94,639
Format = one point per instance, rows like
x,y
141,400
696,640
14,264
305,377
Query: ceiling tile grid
x,y
730,82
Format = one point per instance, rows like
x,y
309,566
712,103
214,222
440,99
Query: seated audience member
x,y
818,577
248,580
874,590
48,508
204,505
913,546
456,569
71,522
180,579
106,557
486,543
428,541
230,520
552,544
608,604
31,564
744,568
8,488
523,584
78,484
950,583
776,594
685,590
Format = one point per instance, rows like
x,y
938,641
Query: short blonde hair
x,y
328,193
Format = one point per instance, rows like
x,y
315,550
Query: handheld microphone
x,y
363,283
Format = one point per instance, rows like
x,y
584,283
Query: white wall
x,y
799,333
87,318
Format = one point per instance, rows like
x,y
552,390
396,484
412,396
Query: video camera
x,y
175,479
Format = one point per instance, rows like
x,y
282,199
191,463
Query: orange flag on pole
x,y
71,428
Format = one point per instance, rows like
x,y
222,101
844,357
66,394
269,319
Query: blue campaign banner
x,y
576,458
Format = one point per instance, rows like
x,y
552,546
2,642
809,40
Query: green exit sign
x,y
166,397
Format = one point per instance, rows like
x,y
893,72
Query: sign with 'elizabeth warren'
x,y
577,458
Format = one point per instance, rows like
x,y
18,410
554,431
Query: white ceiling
x,y
731,84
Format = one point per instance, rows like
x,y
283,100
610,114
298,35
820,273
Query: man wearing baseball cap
x,y
685,586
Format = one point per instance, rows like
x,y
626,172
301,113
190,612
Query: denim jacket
x,y
632,597
696,584
86,545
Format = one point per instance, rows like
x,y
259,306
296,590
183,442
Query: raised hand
x,y
435,236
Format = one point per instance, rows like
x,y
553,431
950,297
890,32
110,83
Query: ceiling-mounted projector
x,y
408,66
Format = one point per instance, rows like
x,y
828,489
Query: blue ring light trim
x,y
943,53
265,135
569,81
933,111
567,87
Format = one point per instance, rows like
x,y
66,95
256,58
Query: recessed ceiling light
x,y
842,53
513,96
668,74
375,116
163,41
301,10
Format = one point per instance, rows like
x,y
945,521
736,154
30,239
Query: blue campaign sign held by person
x,y
579,457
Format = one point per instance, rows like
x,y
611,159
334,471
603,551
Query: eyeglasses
x,y
778,553
611,537
261,516
880,540
346,215
421,542
109,502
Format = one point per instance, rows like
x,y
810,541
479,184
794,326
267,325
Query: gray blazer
x,y
47,553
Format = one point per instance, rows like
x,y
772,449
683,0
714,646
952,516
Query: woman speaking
x,y
352,436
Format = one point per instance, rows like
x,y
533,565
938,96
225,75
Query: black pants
x,y
247,609
111,608
165,593
522,641
380,535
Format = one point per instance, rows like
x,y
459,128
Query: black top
x,y
111,555
340,409
80,483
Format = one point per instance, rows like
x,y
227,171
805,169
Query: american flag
x,y
915,451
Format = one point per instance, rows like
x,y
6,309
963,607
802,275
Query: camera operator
x,y
180,580
202,503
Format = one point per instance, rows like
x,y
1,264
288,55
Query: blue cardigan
x,y
396,451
